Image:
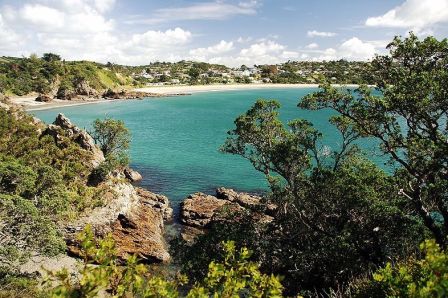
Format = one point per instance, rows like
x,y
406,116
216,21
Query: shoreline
x,y
29,104
179,89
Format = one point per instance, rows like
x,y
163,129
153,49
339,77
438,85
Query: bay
x,y
176,140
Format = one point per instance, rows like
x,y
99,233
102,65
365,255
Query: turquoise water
x,y
175,140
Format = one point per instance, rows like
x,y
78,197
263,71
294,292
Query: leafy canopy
x,y
408,118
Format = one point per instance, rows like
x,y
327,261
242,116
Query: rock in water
x,y
199,211
132,175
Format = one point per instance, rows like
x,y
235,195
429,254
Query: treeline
x,y
302,72
50,74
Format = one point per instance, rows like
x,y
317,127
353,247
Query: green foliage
x,y
25,229
21,76
341,215
20,287
408,118
426,277
41,182
237,277
101,272
112,137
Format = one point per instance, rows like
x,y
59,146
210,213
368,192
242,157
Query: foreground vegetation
x,y
341,217
343,226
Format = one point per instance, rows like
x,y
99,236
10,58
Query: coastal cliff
x,y
134,217
55,162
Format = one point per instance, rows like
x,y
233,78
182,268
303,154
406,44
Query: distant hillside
x,y
53,76
50,74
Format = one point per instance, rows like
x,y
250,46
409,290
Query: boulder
x,y
241,198
198,209
134,222
132,175
43,98
246,200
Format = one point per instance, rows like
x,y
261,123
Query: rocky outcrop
x,y
62,126
200,210
156,201
134,218
132,175
43,98
250,201
83,88
111,94
65,93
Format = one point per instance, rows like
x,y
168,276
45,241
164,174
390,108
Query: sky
x,y
230,32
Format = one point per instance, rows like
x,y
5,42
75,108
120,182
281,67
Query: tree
x,y
112,137
194,73
407,115
50,57
338,213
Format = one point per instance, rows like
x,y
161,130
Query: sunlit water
x,y
176,140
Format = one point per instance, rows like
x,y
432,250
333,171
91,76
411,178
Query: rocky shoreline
x,y
135,217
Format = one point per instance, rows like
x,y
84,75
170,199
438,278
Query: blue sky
x,y
231,32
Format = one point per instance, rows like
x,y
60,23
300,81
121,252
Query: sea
x,y
176,140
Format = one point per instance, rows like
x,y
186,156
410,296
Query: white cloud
x,y
216,10
217,49
352,49
356,49
104,5
151,38
65,20
312,46
9,39
79,29
244,40
289,55
315,33
262,49
42,16
413,14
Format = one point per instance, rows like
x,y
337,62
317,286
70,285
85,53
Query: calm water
x,y
175,140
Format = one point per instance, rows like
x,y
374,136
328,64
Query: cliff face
x,y
134,217
136,223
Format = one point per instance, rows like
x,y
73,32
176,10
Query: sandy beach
x,y
29,103
170,90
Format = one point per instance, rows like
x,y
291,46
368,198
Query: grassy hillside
x,y
51,74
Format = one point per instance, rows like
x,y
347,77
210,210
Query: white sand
x,y
29,103
169,90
